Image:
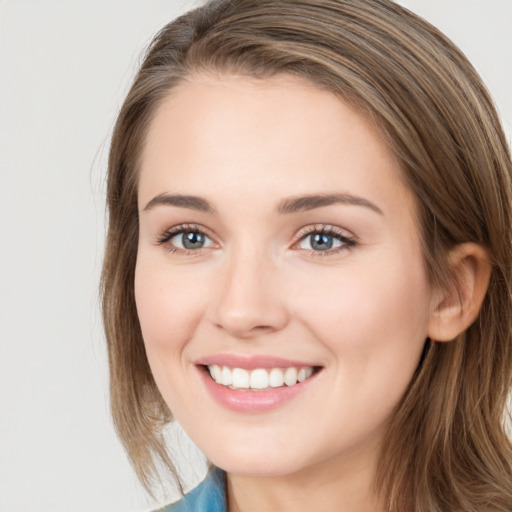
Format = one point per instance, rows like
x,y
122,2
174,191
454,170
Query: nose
x,y
250,300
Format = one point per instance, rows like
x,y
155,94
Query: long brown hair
x,y
447,446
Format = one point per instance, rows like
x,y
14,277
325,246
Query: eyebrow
x,y
190,202
310,202
290,205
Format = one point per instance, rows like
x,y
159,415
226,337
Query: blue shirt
x,y
208,496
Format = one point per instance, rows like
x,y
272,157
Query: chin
x,y
257,461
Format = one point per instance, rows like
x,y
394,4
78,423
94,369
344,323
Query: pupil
x,y
321,242
192,240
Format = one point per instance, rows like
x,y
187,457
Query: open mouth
x,y
259,379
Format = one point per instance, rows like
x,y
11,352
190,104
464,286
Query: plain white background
x,y
64,69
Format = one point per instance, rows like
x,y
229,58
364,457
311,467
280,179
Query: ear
x,y
455,308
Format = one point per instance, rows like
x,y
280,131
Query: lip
x,y
252,362
255,402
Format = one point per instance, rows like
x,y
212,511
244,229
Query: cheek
x,y
369,313
169,304
373,324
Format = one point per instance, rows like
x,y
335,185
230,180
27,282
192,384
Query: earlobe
x,y
455,308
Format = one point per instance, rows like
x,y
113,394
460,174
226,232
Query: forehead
x,y
216,134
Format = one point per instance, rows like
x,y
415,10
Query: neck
x,y
341,483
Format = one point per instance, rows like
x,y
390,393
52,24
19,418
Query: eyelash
x,y
348,242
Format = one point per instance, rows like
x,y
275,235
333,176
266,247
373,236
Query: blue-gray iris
x,y
321,242
192,240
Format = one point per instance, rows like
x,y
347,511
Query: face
x,y
278,251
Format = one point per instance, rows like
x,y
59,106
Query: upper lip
x,y
251,362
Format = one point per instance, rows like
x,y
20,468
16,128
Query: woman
x,y
308,261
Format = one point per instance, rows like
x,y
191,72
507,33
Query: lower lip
x,y
253,401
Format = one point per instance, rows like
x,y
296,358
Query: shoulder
x,y
208,496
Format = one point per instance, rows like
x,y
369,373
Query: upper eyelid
x,y
171,232
324,228
179,228
306,230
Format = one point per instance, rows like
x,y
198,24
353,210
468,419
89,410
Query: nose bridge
x,y
249,299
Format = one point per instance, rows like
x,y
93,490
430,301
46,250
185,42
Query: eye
x,y
190,240
185,239
325,239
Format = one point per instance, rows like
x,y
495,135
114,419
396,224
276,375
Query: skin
x,y
362,312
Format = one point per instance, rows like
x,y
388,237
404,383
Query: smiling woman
x,y
309,261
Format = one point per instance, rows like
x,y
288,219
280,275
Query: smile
x,y
256,384
259,378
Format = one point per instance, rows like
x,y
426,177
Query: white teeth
x,y
276,378
304,373
216,373
239,378
259,379
290,376
227,377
